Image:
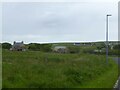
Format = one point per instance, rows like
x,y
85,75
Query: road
x,y
117,60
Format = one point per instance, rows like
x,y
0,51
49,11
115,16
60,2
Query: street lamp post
x,y
107,37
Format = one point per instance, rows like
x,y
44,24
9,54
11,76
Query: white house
x,y
60,49
18,46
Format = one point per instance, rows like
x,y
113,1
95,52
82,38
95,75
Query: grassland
x,y
35,69
0,67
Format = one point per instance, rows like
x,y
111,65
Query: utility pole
x,y
107,38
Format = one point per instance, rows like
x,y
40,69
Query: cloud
x,y
59,0
0,22
47,22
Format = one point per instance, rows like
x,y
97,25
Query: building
x,y
84,44
77,44
60,49
18,46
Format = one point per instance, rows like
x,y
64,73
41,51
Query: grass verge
x,y
43,70
106,80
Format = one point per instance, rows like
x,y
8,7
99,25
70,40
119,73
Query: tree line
x,y
72,48
31,46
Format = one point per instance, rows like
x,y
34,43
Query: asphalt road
x,y
117,60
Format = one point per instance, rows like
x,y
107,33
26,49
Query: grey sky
x,y
0,22
51,22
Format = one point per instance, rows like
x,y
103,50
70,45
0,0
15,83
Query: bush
x,y
116,47
6,45
88,50
101,45
40,47
74,49
46,47
33,46
114,52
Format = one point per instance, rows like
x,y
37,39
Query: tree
x,y
33,46
101,45
117,46
74,49
46,47
40,47
6,45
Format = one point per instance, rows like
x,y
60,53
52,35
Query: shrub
x,y
40,47
74,49
6,45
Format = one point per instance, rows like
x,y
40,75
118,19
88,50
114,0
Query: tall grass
x,y
35,69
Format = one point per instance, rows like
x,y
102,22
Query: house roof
x,y
18,44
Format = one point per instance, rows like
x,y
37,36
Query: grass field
x,y
35,69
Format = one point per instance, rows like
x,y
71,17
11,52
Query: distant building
x,y
18,46
60,49
83,44
76,44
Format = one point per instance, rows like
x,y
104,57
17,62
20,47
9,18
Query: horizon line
x,y
61,42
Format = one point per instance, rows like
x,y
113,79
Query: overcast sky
x,y
58,21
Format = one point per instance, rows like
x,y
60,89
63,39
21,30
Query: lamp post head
x,y
109,15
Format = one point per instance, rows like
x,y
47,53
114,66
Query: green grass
x,y
0,67
105,80
35,69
